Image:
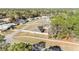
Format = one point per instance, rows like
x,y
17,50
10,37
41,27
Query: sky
x,y
39,3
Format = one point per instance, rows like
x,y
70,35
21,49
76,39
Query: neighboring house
x,y
7,26
35,18
20,21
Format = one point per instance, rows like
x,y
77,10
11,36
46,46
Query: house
x,y
21,21
6,26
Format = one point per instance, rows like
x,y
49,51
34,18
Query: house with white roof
x,y
5,26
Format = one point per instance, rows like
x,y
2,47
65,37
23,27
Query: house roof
x,y
6,26
20,21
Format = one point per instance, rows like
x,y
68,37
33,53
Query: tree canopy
x,y
65,25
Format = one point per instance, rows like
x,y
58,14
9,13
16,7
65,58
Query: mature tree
x,y
65,26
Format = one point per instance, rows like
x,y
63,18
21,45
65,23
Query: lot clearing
x,y
65,45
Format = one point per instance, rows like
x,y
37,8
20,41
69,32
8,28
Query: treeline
x,y
27,12
31,12
65,25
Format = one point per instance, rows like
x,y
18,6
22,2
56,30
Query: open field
x,y
8,32
67,46
32,34
19,26
30,25
35,38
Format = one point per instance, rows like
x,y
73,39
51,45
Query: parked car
x,y
54,48
38,46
